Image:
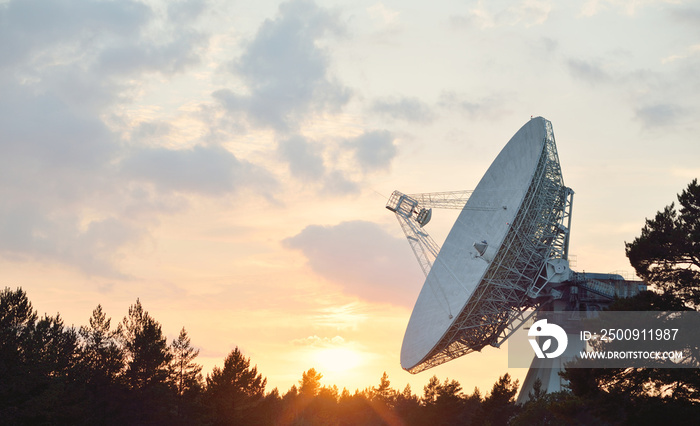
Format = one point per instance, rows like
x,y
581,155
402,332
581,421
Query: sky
x,y
228,162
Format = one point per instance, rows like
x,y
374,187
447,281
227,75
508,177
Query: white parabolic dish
x,y
471,291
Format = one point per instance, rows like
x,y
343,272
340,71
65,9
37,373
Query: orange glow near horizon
x,y
337,360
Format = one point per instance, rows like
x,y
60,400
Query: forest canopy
x,y
127,373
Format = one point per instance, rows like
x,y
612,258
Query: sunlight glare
x,y
336,359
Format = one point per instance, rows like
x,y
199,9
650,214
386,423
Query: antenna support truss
x,y
414,211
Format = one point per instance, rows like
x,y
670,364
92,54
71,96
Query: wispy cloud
x,y
304,158
659,115
318,341
490,107
485,15
286,73
588,71
627,7
71,191
373,150
688,52
410,109
206,170
386,273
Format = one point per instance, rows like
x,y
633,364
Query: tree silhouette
x,y
234,391
147,352
499,406
185,374
186,378
39,365
431,391
17,319
667,256
443,402
407,405
147,359
667,253
310,383
102,353
383,393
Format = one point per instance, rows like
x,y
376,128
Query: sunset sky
x,y
228,162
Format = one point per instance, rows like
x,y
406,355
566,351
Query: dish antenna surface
x,y
510,239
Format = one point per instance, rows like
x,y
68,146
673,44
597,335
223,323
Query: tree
x,y
184,372
148,355
186,378
17,319
151,398
667,253
101,350
407,405
234,392
384,393
443,402
559,408
667,257
537,391
499,406
310,383
430,391
39,365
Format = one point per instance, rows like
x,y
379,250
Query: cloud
x,y
27,232
186,11
382,13
208,170
486,15
285,71
71,191
43,126
318,341
593,7
363,259
687,15
587,71
169,57
32,29
690,51
404,108
549,44
659,115
336,183
490,107
41,135
305,161
373,150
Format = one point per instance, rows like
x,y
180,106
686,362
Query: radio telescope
x,y
506,256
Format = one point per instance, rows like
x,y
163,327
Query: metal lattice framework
x,y
443,200
412,211
506,296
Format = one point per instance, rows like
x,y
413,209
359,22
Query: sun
x,y
332,360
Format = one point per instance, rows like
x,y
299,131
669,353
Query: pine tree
x,y
310,383
102,352
185,374
151,398
39,365
499,406
234,391
148,355
384,393
667,253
